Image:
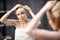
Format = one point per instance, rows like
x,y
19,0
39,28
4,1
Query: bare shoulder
x,y
10,22
13,20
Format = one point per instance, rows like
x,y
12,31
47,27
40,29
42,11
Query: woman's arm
x,y
32,14
39,15
4,17
41,34
28,9
8,13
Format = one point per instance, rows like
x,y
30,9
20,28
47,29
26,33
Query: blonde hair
x,y
56,8
54,12
21,10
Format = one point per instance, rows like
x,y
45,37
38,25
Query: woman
x,y
30,28
53,16
40,34
21,23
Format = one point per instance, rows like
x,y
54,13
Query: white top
x,y
20,34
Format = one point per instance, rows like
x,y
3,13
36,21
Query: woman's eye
x,y
17,14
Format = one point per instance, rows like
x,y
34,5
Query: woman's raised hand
x,y
49,4
26,7
17,6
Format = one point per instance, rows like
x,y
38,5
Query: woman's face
x,y
21,14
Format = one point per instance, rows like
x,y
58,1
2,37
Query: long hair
x,y
54,14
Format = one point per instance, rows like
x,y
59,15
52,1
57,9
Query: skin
x,y
43,34
21,15
39,34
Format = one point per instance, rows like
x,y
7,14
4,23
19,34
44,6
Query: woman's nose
x,y
22,15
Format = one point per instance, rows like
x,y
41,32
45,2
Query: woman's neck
x,y
24,20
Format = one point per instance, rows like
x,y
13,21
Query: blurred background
x,y
6,5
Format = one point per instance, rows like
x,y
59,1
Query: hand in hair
x,y
49,4
26,7
17,6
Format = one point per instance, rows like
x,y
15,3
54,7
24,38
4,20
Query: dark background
x,y
35,5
